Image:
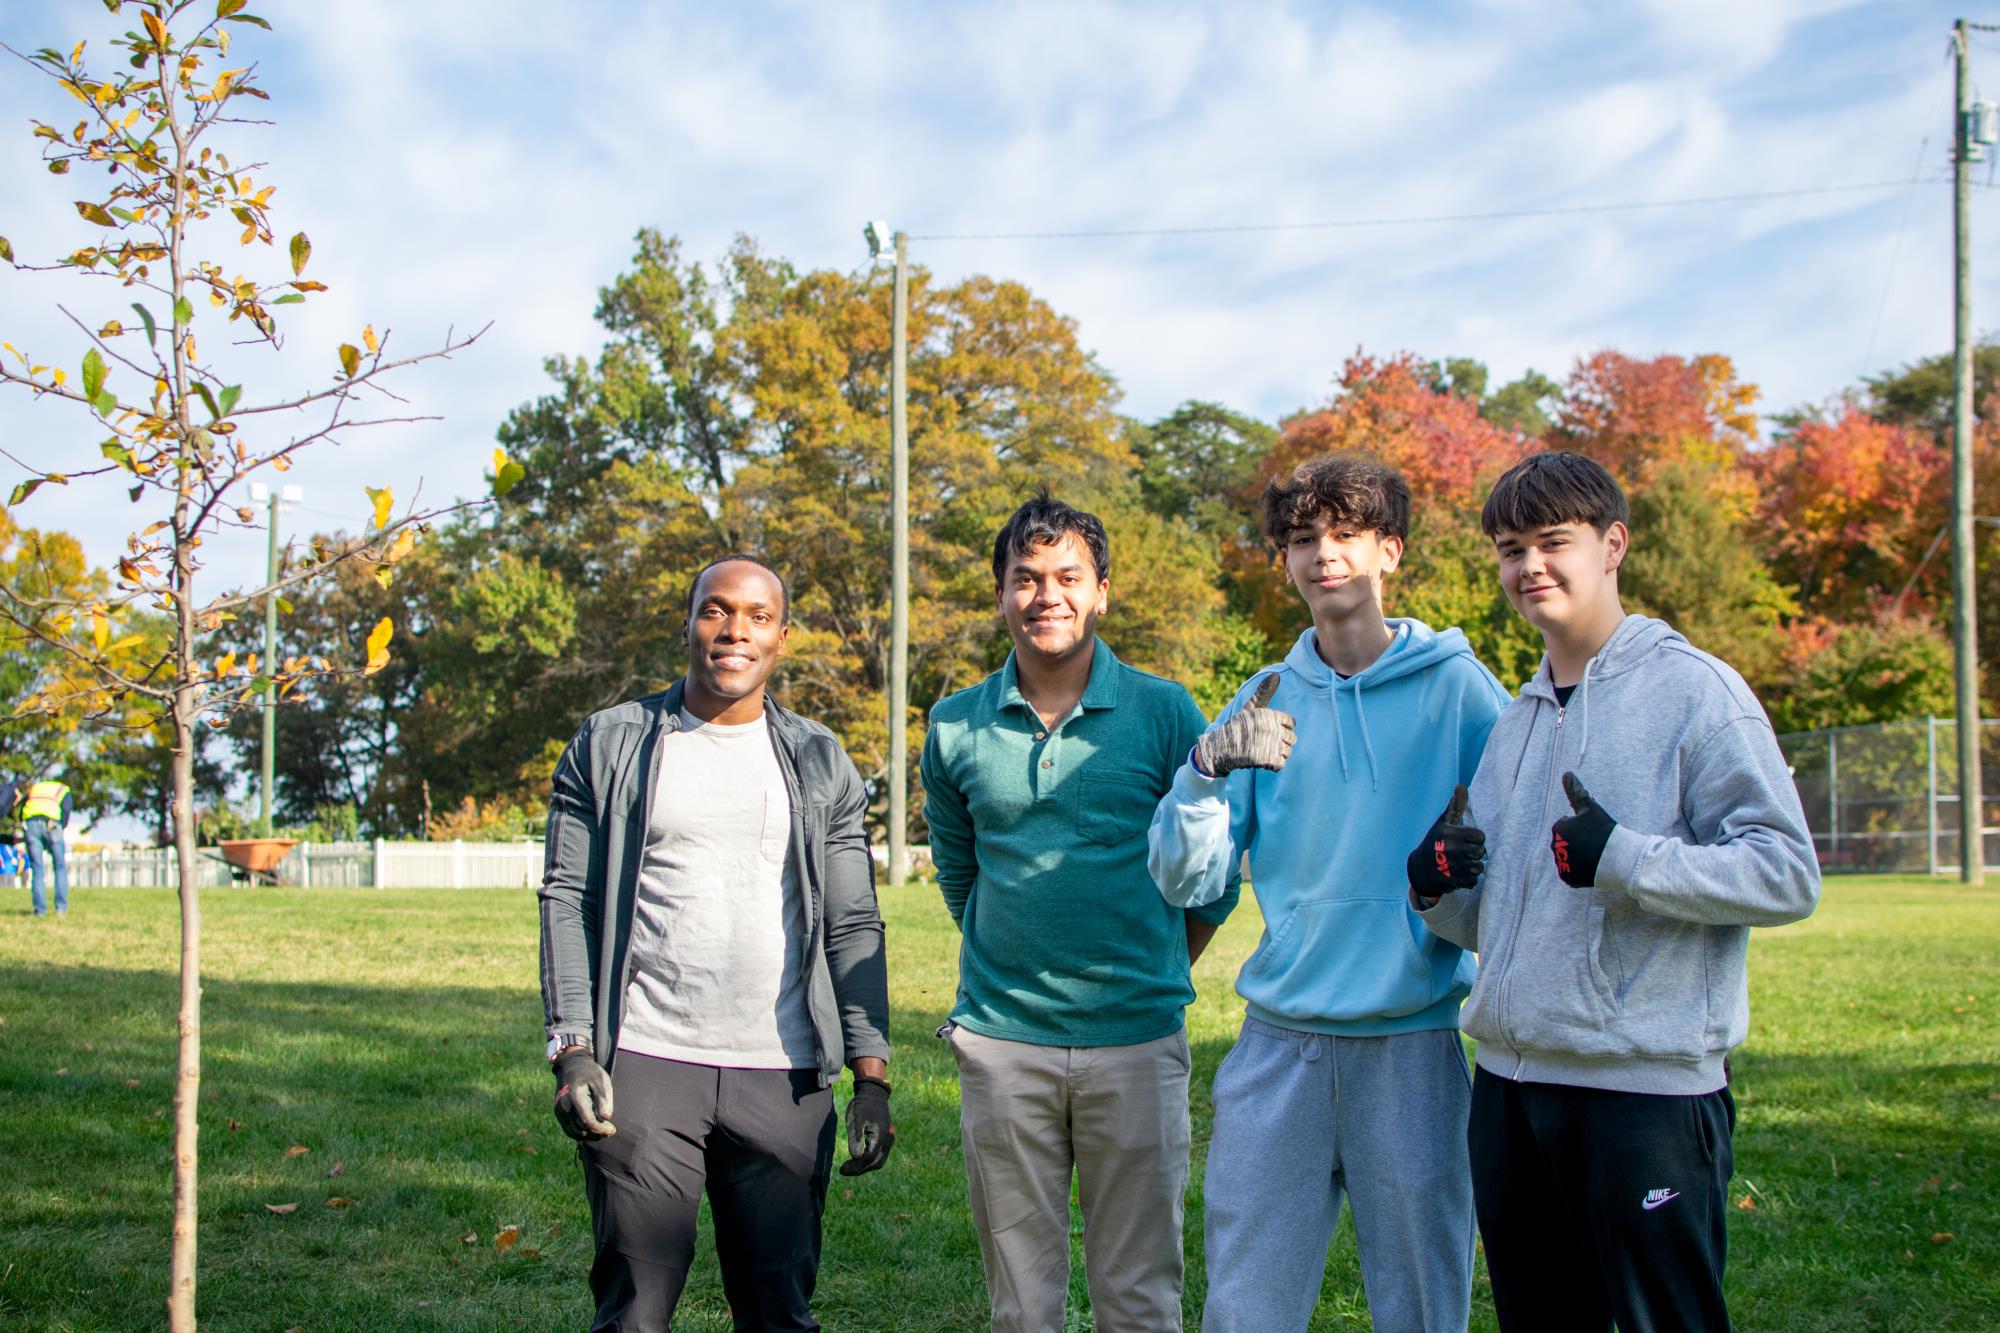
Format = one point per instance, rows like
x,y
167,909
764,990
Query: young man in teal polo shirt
x,y
1072,1054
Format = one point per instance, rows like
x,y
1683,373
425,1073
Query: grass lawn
x,y
394,1036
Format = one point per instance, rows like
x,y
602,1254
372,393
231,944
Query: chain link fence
x,y
1886,797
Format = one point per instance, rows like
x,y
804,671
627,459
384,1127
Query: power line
x,y
1423,219
1902,227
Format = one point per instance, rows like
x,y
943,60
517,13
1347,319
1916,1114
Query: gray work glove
x,y
583,1096
1254,737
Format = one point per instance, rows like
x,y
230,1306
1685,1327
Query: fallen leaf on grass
x,y
1747,1202
281,1208
234,1126
1942,1238
131,1082
527,1253
88,1047
296,1328
469,1238
63,1072
506,1238
339,1201
338,1168
296,1150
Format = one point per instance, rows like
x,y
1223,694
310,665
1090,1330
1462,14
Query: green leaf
x,y
95,213
93,374
6,249
301,251
24,490
284,606
106,402
152,330
124,214
289,298
224,8
117,453
230,393
183,312
207,398
508,477
249,18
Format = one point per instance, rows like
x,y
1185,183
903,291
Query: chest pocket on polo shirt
x,y
1115,806
777,826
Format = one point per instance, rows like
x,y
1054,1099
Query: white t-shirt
x,y
719,936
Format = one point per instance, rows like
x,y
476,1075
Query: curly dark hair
x,y
1353,488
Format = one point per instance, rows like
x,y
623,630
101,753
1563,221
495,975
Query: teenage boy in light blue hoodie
x,y
1349,1078
1611,937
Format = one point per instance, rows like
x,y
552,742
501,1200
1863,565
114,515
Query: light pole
x,y
267,789
1975,130
899,553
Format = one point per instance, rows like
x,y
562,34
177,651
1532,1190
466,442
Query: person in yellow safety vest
x,y
44,813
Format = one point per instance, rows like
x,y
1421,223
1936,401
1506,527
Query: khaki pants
x,y
1118,1116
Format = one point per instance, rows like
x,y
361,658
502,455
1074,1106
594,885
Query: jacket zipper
x,y
1527,880
629,908
814,915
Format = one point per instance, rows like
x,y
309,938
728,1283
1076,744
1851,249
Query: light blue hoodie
x,y
1376,760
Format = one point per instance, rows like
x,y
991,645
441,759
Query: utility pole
x,y
1971,859
268,786
899,565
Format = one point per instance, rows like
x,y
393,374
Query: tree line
x,y
742,404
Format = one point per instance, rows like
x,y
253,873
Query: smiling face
x,y
1563,579
734,638
1051,597
1338,566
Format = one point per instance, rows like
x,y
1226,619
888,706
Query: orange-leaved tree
x,y
159,420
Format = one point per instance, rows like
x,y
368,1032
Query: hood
x,y
1630,645
1413,647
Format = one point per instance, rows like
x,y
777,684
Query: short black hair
x,y
1548,489
1045,521
1354,488
784,591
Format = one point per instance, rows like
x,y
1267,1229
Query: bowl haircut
x,y
1547,490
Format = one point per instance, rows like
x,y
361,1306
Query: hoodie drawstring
x,y
1583,702
1339,742
1367,746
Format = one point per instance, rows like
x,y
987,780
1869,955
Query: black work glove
x,y
583,1097
869,1133
1451,856
1255,736
1578,840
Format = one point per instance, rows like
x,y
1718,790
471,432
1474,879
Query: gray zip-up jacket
x,y
1636,984
598,816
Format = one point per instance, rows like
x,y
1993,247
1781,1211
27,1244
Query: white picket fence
x,y
380,864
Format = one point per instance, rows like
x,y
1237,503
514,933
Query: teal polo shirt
x,y
1039,837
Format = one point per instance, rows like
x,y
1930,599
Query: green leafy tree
x,y
172,429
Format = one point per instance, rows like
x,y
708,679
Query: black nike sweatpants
x,y
759,1140
1598,1207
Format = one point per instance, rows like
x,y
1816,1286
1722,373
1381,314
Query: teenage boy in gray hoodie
x,y
1611,937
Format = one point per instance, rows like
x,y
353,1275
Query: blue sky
x,y
460,162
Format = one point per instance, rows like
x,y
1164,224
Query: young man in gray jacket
x,y
710,936
1611,936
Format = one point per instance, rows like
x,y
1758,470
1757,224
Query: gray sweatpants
x,y
1301,1119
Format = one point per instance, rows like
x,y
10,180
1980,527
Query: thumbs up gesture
x,y
1578,839
1451,856
1255,736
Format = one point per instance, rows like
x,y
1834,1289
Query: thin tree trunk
x,y
187,1082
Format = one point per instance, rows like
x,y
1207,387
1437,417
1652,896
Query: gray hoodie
x,y
1636,984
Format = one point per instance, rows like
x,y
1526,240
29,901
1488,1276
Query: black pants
x,y
761,1140
1597,1207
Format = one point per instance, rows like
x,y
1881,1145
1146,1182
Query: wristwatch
x,y
562,1041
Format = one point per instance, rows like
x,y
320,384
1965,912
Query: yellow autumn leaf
x,y
406,542
378,646
384,501
350,359
368,337
224,665
100,627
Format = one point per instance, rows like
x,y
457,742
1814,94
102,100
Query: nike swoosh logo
x,y
1649,1203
